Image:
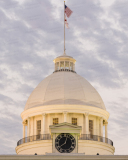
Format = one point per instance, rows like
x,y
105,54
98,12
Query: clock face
x,y
65,143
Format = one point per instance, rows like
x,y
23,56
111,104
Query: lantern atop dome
x,y
64,63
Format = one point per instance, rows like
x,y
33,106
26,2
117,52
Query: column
x,y
43,124
64,65
86,123
65,116
24,123
28,127
73,67
55,66
83,126
32,127
106,130
53,143
101,126
23,129
59,65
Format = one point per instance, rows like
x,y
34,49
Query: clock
x,y
65,143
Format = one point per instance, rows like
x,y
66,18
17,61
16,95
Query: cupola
x,y
64,63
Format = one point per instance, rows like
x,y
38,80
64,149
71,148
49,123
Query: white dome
x,y
64,88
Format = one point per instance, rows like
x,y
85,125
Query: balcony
x,y
48,137
95,138
34,138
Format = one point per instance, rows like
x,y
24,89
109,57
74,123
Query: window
x,y
55,121
91,127
74,121
39,127
66,65
71,66
57,66
62,65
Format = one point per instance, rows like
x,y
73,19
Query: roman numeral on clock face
x,y
72,147
65,143
65,135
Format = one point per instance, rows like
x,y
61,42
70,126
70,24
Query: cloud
x,y
32,36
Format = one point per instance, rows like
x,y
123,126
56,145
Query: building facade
x,y
65,114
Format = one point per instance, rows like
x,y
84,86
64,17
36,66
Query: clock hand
x,y
63,144
66,140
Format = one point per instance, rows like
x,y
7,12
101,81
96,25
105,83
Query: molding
x,y
78,109
63,124
43,114
24,123
101,119
65,128
64,58
105,123
64,157
86,113
29,118
65,112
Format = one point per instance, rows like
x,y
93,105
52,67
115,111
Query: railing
x,y
95,138
34,138
69,70
48,137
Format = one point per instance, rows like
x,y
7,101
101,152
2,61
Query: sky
x,y
31,36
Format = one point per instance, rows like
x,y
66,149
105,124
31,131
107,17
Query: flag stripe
x,y
68,11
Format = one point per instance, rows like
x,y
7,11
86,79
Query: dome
x,y
64,87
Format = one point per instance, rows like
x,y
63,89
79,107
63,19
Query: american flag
x,y
68,11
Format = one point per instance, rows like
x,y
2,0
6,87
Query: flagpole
x,y
64,28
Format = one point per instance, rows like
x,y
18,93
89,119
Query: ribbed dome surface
x,y
64,88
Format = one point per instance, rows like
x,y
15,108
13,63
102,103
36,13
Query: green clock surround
x,y
65,143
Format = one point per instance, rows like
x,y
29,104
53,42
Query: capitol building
x,y
65,115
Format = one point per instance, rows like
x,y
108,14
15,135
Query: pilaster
x,y
43,123
65,116
86,123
